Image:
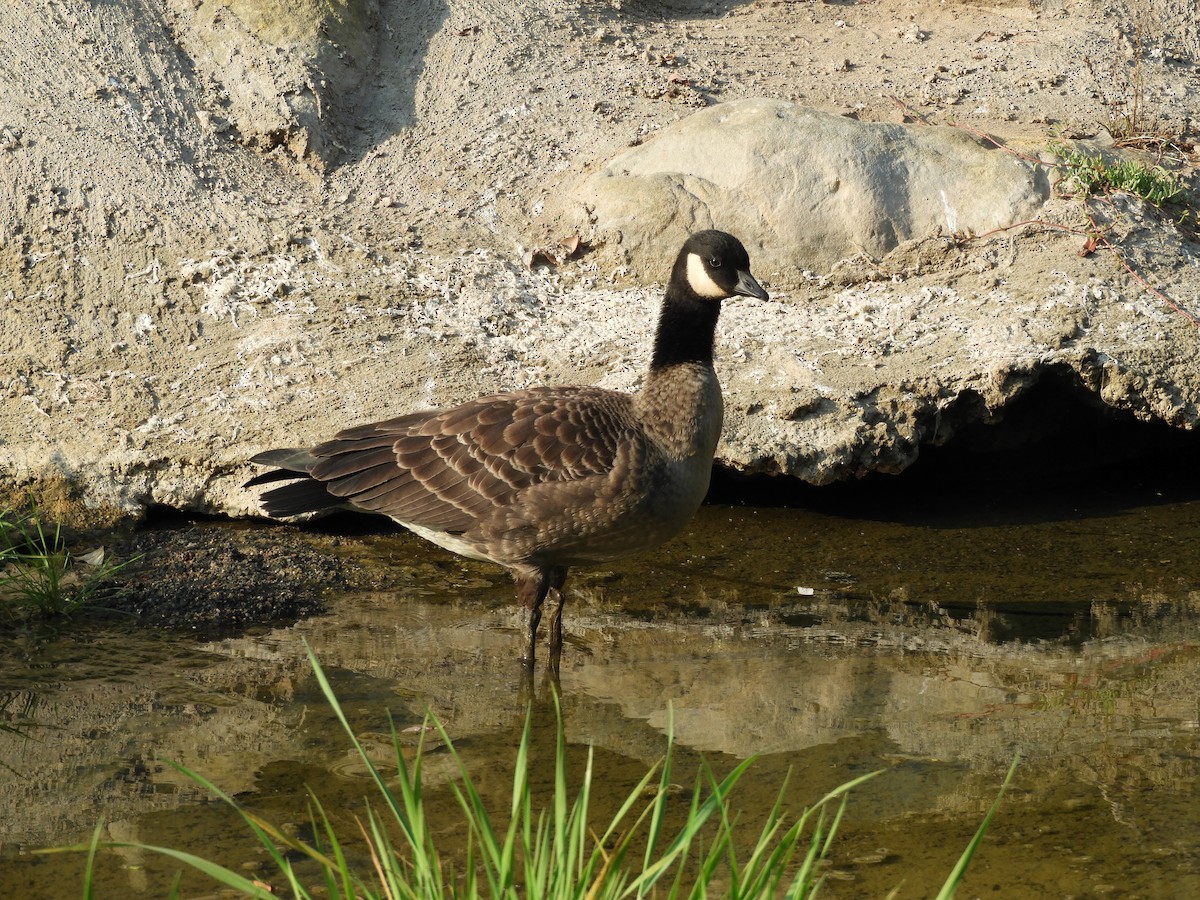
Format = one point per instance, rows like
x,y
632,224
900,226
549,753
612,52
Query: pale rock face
x,y
803,189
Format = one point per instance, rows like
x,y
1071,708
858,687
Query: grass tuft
x,y
553,853
39,576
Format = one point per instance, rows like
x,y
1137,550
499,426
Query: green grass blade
x,y
408,810
578,865
327,690
560,816
720,850
89,870
699,814
960,868
552,852
664,786
518,822
214,870
755,874
412,803
321,824
498,863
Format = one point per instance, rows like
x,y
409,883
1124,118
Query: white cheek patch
x,y
700,281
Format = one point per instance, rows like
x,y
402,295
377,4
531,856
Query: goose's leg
x,y
558,577
532,586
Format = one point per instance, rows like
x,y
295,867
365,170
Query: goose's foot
x,y
530,619
533,587
556,597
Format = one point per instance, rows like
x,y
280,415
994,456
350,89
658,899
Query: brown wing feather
x,y
447,469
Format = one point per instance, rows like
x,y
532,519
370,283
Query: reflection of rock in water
x,y
111,711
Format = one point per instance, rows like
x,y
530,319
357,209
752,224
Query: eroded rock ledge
x,y
823,382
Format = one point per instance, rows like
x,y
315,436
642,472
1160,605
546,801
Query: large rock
x,y
802,188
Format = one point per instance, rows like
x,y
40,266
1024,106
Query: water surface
x,y
931,638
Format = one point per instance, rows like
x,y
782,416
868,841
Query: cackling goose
x,y
543,479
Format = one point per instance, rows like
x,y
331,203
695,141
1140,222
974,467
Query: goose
x,y
545,478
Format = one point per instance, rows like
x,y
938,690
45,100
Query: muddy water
x,y
933,640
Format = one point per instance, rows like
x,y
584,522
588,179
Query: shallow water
x,y
934,639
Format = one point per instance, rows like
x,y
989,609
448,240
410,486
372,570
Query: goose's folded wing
x,y
447,469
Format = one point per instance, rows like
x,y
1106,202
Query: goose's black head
x,y
714,265
711,266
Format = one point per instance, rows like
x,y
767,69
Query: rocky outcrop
x,y
177,294
804,189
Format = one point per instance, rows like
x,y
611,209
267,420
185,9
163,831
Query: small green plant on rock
x,y
1090,175
38,575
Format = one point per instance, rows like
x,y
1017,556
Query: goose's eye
x,y
715,262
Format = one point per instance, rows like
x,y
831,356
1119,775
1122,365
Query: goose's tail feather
x,y
302,495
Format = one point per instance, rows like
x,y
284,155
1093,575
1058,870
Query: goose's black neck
x,y
687,325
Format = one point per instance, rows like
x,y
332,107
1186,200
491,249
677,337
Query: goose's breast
x,y
659,482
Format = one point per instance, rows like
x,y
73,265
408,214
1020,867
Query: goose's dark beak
x,y
748,287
